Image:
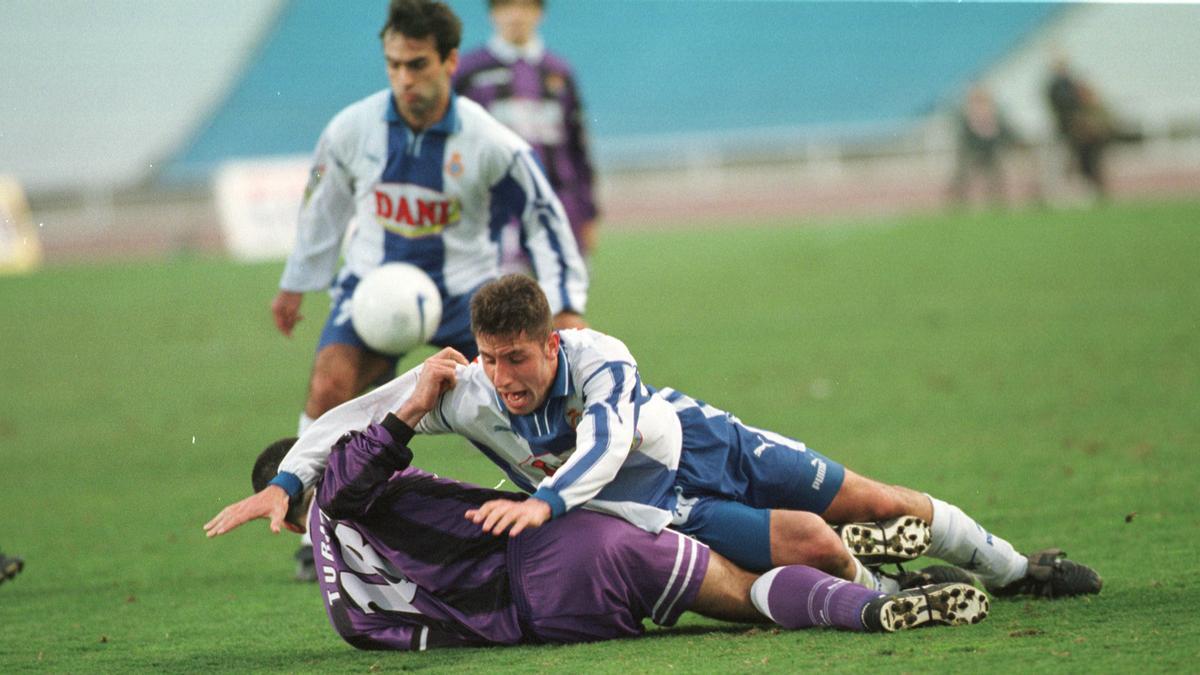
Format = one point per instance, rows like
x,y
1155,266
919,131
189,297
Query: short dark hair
x,y
421,18
267,466
509,306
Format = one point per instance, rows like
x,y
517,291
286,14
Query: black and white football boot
x,y
1051,575
933,574
306,566
887,541
950,604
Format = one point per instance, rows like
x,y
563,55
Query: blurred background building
x,y
127,121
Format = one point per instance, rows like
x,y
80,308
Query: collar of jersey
x,y
447,125
561,388
508,53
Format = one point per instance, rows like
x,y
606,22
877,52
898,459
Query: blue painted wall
x,y
646,66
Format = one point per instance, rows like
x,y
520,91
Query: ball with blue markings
x,y
395,308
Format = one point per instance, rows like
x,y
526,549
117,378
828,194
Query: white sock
x,y
306,538
305,420
863,576
961,541
760,589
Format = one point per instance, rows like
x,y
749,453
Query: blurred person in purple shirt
x,y
533,92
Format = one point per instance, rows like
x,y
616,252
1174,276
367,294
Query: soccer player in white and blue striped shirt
x,y
426,178
566,415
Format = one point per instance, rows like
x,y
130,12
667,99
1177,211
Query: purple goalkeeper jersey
x,y
400,567
534,93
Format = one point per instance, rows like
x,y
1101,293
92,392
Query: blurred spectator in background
x,y
1063,94
983,134
1089,132
533,92
1084,124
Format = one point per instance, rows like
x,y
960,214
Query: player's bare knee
x,y
725,592
830,553
862,498
897,500
804,538
328,390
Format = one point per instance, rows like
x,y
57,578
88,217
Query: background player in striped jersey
x,y
402,569
427,178
534,92
566,415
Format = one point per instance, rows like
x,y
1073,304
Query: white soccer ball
x,y
395,308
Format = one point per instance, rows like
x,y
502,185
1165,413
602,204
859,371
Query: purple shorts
x,y
573,587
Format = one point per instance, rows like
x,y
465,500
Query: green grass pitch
x,y
1040,369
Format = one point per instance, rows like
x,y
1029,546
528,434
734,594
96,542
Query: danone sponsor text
x,y
413,211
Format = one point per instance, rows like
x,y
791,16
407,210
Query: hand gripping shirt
x,y
602,439
436,199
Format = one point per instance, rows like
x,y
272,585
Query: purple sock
x,y
798,596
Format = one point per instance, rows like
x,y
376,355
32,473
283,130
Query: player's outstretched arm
x,y
271,503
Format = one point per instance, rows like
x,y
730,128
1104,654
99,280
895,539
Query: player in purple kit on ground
x,y
534,92
401,568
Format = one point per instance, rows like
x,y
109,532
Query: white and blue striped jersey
x,y
602,439
437,199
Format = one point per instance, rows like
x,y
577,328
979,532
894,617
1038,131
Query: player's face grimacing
x,y
522,369
420,79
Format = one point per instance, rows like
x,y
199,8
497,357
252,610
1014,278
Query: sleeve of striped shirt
x,y
548,239
325,213
602,439
307,459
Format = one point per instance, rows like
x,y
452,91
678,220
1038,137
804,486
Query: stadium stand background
x,y
116,131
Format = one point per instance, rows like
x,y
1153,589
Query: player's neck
x,y
436,115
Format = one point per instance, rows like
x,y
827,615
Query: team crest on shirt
x,y
554,83
455,166
413,211
314,179
573,416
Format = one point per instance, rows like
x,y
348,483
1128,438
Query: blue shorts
x,y
738,532
732,475
454,331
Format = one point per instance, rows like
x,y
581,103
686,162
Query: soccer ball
x,y
395,308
